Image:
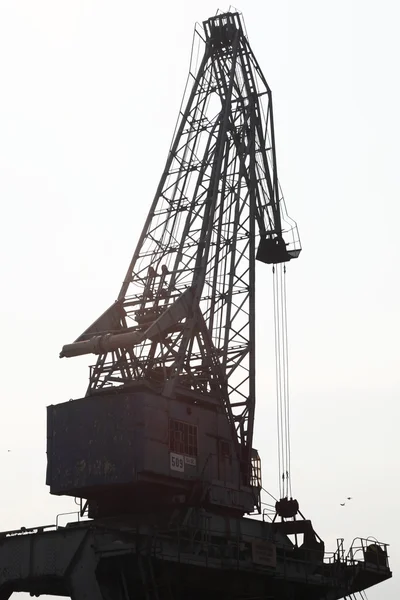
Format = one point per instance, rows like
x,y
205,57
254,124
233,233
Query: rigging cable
x,y
282,379
287,406
278,379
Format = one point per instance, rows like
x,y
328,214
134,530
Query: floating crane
x,y
159,453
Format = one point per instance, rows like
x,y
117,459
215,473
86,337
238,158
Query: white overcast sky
x,y
89,95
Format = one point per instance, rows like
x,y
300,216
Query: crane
x,y
159,452
184,319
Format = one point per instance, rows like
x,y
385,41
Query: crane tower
x,y
159,452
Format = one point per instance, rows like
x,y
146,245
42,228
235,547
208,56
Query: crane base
x,y
192,556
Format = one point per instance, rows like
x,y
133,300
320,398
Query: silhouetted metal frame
x,y
218,193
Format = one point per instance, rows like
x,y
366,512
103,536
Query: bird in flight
x,y
348,498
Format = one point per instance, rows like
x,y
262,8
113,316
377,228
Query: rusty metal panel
x,y
98,443
94,442
29,557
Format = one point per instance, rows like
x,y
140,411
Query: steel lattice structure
x,y
149,450
186,307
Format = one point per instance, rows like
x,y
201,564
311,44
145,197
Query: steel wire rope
x,y
191,148
227,256
282,352
215,272
283,404
287,382
280,325
186,178
186,150
221,267
269,493
277,380
285,374
282,379
190,75
198,51
221,272
238,121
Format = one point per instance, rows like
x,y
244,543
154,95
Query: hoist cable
x,y
282,379
287,383
277,379
281,441
278,363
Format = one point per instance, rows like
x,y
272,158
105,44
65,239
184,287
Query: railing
x,y
370,552
27,531
67,514
366,552
200,540
41,528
